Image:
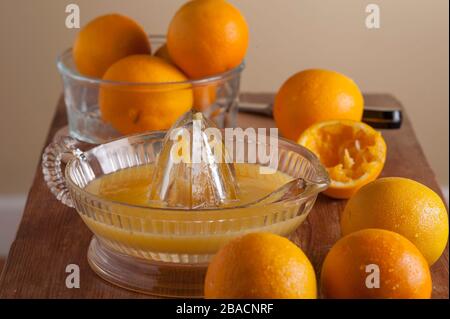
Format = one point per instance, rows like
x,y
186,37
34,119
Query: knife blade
x,y
375,116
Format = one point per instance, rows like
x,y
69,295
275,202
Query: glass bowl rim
x,y
75,75
321,178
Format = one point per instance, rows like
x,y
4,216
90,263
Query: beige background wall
x,y
407,56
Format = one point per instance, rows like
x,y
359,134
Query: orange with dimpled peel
x,y
207,37
260,266
154,105
105,40
375,264
313,96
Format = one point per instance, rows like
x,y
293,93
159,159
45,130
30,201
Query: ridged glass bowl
x,y
216,96
165,251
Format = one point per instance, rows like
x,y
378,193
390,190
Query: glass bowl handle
x,y
53,156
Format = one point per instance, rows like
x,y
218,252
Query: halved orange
x,y
352,152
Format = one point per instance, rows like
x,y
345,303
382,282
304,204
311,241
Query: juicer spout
x,y
296,188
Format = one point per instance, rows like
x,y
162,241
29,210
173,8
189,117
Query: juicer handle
x,y
56,153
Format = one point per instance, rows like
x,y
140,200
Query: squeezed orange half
x,y
352,152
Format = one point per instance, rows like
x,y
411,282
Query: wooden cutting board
x,y
51,235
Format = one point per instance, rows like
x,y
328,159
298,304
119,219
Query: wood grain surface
x,y
51,235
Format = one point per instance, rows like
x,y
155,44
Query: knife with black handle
x,y
377,117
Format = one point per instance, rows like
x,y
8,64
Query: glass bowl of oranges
x,y
102,109
119,81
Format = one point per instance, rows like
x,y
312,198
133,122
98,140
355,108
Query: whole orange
x,y
260,265
403,206
105,40
375,263
154,105
312,96
207,37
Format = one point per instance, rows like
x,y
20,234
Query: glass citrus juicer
x,y
161,204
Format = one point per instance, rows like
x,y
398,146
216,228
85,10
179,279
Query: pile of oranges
x,y
204,38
